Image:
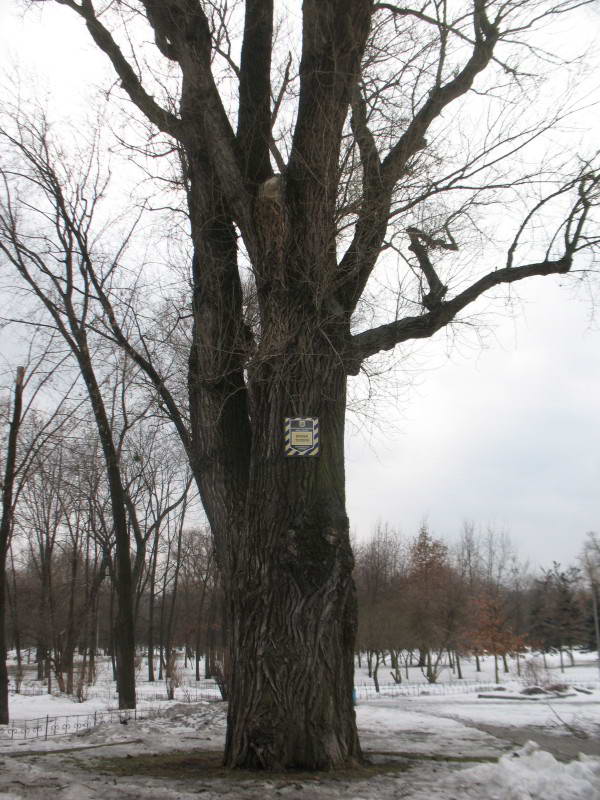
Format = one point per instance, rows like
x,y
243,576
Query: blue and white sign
x,y
301,436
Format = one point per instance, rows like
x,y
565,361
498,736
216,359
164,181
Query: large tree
x,y
304,172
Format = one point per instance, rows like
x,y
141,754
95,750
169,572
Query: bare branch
x,y
386,337
164,120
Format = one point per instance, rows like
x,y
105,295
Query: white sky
x,y
507,436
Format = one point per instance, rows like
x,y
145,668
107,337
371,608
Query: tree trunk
x,y
210,636
198,631
113,659
124,624
376,671
395,664
46,615
171,662
3,653
197,658
93,642
6,522
40,660
151,607
431,671
161,635
151,676
293,610
14,613
458,666
69,649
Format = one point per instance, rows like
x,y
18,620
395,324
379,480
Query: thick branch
x,y
369,155
413,139
359,260
386,337
418,244
10,470
333,40
164,120
254,118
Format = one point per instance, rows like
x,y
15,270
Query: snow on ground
x,y
441,759
526,774
24,707
421,747
393,725
553,714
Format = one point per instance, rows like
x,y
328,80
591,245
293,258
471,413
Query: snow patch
x,y
534,774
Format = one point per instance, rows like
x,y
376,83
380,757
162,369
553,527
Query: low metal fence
x,y
187,693
46,727
365,691
31,691
182,694
66,724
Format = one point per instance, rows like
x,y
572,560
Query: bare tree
x,y
53,266
356,128
6,530
28,436
380,568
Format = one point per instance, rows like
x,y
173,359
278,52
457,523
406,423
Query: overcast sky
x,y
506,435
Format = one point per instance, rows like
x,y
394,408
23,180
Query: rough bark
x,y
293,604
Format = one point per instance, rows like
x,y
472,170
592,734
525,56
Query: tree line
x,y
60,573
423,602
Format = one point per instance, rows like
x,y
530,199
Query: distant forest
x,y
421,596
